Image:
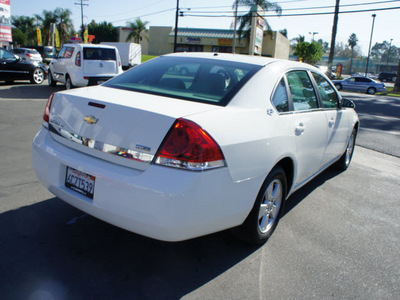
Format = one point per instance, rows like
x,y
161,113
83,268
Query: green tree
x,y
103,32
324,45
244,21
64,24
352,41
139,31
380,51
295,41
26,32
308,52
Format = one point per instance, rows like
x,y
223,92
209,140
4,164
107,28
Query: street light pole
x,y
313,33
390,47
234,27
370,41
176,24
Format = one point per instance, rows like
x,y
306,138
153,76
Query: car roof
x,y
90,46
240,58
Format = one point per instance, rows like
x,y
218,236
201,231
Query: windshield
x,y
99,54
195,79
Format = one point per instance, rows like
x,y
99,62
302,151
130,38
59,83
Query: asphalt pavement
x,y
338,238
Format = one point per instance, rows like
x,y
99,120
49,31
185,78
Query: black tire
x,y
371,91
259,226
37,76
344,162
338,86
68,83
50,80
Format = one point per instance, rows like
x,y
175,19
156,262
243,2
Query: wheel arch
x,y
287,164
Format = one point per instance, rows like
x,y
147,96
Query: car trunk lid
x,y
100,121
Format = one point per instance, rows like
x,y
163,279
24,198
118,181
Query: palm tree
x,y
64,23
139,31
352,41
27,27
244,21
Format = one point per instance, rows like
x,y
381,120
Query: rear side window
x,y
99,54
328,95
280,98
196,79
301,88
364,80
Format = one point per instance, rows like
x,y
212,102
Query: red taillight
x,y
46,115
29,55
188,146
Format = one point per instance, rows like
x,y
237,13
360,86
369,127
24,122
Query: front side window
x,y
68,52
195,79
329,97
301,88
280,98
6,55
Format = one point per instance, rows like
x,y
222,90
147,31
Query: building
x,y
161,41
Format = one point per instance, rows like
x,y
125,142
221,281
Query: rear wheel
x,y
344,162
338,86
267,209
371,91
37,76
51,81
68,83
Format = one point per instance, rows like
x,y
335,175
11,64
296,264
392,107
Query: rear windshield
x,y
48,49
196,79
99,54
33,51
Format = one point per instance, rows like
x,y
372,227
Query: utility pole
x,y
176,24
370,41
234,27
333,38
388,56
82,4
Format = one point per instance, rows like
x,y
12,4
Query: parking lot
x,y
338,238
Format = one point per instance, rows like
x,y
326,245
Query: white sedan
x,y
175,156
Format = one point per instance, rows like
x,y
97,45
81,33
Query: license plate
x,y
80,182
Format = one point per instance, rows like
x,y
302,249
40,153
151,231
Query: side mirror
x,y
348,103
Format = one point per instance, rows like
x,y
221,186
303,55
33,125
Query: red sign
x,y
5,34
6,2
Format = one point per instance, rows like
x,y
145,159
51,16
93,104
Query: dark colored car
x,y
13,68
48,53
387,77
360,84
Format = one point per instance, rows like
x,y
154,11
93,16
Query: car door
x,y
363,84
59,65
11,67
349,84
308,124
336,122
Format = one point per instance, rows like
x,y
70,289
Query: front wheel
x,y
51,81
37,76
344,162
267,209
338,86
68,83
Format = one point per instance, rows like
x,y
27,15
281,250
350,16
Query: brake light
x,y
46,115
29,55
188,146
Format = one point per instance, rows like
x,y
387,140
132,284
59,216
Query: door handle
x,y
300,128
331,122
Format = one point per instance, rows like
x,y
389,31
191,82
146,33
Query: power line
x,y
299,14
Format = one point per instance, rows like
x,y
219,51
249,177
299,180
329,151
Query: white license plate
x,y
80,182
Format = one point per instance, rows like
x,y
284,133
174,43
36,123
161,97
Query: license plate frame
x,y
80,182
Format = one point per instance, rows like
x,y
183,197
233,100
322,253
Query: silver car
x,y
28,54
360,84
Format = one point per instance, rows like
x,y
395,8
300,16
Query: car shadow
x,y
24,90
52,249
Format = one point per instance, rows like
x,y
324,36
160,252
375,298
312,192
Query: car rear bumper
x,y
162,203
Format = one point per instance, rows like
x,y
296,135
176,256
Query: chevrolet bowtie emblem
x,y
90,120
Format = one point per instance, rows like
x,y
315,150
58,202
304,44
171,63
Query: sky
x,y
197,14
